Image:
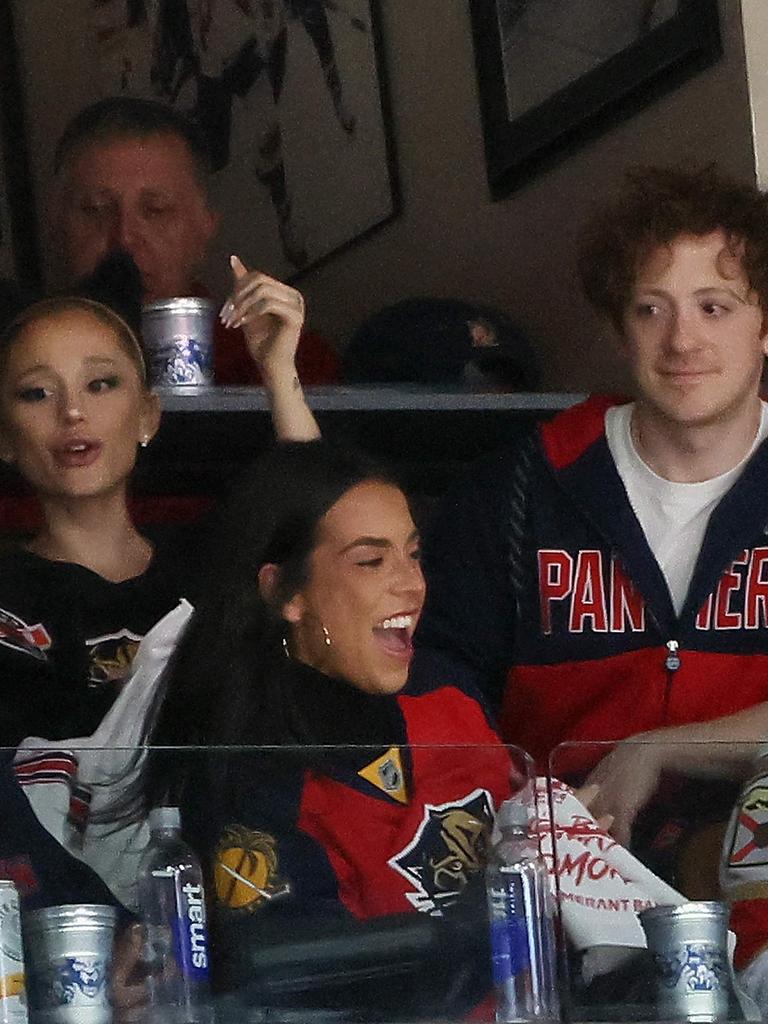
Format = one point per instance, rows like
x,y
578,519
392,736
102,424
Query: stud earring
x,y
326,636
144,442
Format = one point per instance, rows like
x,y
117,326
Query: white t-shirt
x,y
674,516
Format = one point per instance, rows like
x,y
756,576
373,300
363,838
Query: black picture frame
x,y
19,243
518,148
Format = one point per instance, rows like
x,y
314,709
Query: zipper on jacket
x,y
672,664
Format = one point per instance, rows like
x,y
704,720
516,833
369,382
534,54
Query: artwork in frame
x,y
8,268
291,97
554,74
19,251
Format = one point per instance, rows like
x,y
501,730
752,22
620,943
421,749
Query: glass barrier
x,y
350,883
341,883
670,825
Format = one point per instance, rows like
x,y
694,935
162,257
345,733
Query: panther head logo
x,y
449,848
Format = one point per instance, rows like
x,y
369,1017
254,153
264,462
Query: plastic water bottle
x,y
172,904
523,944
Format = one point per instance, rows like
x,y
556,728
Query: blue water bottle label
x,y
510,951
190,933
510,955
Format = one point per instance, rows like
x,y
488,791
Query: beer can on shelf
x,y
178,340
13,1002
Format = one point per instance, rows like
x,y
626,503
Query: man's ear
x,y
214,221
207,224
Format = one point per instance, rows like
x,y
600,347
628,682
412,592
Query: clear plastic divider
x,y
351,883
339,883
672,825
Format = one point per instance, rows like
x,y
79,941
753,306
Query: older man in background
x,y
132,176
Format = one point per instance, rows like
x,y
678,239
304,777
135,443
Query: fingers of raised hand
x,y
284,312
239,269
259,295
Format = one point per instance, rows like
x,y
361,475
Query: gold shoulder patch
x,y
386,773
245,869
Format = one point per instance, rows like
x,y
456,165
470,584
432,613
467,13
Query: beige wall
x,y
516,253
450,239
754,15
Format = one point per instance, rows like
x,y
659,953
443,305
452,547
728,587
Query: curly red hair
x,y
658,205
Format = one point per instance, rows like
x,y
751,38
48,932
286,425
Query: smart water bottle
x,y
523,944
172,906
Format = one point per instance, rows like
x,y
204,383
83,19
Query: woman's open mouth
x,y
395,635
75,454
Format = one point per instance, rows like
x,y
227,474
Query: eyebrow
x,y
376,542
722,288
89,361
104,192
708,290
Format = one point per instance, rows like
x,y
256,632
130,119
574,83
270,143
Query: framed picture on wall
x,y
553,74
19,253
7,254
292,99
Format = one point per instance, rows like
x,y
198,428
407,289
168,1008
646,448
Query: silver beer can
x,y
13,1001
69,955
689,947
178,341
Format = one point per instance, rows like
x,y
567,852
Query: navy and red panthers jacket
x,y
544,593
377,807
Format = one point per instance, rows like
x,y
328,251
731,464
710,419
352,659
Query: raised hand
x,y
271,315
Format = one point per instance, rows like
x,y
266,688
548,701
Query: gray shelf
x,y
348,398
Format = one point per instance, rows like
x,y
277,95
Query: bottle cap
x,y
164,818
513,814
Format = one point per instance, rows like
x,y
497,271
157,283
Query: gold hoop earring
x,y
326,636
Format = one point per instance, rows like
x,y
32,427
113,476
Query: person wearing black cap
x,y
442,342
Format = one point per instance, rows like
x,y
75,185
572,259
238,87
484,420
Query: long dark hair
x,y
220,686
